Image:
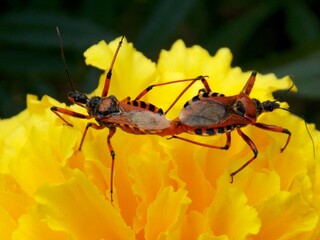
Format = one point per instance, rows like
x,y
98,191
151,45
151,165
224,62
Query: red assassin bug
x,y
211,113
137,117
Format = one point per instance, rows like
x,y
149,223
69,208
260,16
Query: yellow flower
x,y
164,189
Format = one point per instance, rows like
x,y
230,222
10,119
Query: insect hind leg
x,y
253,148
191,80
225,147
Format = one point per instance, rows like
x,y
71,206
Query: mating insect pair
x,y
207,113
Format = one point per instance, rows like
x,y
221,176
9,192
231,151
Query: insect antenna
x,y
285,93
64,59
300,115
306,125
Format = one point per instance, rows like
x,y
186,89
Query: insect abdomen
x,y
212,131
144,105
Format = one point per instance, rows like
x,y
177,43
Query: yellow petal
x,y
99,55
148,177
185,63
181,62
315,181
208,236
12,146
32,227
285,216
191,164
7,223
162,189
132,71
78,209
229,213
194,224
165,213
30,168
9,127
13,199
294,160
258,186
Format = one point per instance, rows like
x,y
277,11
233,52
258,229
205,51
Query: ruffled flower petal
x,y
286,216
163,189
131,74
77,208
8,224
164,217
31,226
229,213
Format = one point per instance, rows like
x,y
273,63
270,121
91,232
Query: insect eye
x,y
258,106
77,97
95,101
239,108
93,105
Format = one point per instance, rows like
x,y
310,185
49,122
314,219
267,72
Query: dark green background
x,y
268,36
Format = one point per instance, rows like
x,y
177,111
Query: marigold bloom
x,y
164,189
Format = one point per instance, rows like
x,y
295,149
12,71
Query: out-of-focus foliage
x,y
268,36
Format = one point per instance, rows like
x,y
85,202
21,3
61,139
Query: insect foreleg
x,y
57,110
112,131
253,148
109,73
275,129
95,126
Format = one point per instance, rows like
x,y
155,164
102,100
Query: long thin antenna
x,y
314,149
285,93
64,59
305,123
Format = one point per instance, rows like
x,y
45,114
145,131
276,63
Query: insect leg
x,y
109,74
253,148
112,131
204,82
249,85
275,129
57,110
149,88
225,147
192,80
95,126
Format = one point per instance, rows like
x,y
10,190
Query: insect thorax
x,y
99,107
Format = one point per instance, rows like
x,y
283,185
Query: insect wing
x,y
203,113
147,120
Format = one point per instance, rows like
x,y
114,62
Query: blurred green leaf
x,y
302,23
305,72
240,30
162,24
17,61
38,29
101,11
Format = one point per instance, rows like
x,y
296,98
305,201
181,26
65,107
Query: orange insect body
x,y
211,113
132,116
206,114
137,117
